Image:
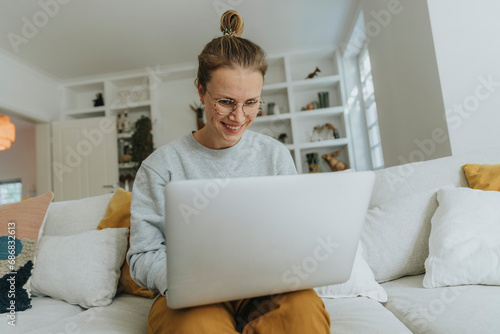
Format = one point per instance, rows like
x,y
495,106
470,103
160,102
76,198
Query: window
x,y
370,107
10,191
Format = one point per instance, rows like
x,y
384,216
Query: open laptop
x,y
236,238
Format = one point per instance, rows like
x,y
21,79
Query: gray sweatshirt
x,y
254,155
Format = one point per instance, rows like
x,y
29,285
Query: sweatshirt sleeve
x,y
147,253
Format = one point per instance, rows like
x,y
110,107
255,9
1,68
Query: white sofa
x,y
395,243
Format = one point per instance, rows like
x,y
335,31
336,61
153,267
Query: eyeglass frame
x,y
235,105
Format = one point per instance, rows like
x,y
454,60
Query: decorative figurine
x,y
331,131
198,109
336,134
126,122
316,134
126,179
333,162
120,123
312,161
99,101
324,100
282,138
127,155
313,74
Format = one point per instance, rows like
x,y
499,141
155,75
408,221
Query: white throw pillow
x,y
80,269
361,283
77,216
464,245
395,236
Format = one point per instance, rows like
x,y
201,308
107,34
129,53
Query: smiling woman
x,y
231,71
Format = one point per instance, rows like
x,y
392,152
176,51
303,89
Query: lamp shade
x,y
7,132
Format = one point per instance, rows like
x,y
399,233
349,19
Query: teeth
x,y
233,127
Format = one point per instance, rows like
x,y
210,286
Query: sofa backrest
x,y
398,223
399,181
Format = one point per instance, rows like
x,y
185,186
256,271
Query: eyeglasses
x,y
227,106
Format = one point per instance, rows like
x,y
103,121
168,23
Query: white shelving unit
x,y
129,93
287,87
165,97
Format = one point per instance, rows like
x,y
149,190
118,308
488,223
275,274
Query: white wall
x,y
27,92
406,80
466,38
20,161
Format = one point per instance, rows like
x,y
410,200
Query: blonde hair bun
x,y
231,23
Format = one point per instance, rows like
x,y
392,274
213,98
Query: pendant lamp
x,y
7,132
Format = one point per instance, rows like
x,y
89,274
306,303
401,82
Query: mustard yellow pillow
x,y
483,177
118,215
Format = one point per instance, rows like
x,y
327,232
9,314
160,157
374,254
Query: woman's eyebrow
x,y
249,99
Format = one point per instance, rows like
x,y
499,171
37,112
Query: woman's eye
x,y
226,102
251,103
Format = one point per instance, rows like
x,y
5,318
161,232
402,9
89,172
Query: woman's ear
x,y
201,92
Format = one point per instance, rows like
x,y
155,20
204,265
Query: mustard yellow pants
x,y
295,312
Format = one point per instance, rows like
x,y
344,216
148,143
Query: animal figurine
x,y
335,164
199,110
313,74
316,134
282,138
333,132
99,100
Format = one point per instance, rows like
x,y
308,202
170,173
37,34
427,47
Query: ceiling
x,y
82,38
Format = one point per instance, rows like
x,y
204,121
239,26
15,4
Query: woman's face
x,y
238,84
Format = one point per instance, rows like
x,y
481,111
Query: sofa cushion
x,y
464,245
127,314
360,316
484,177
77,216
386,249
21,225
81,269
396,235
450,310
43,312
118,215
361,283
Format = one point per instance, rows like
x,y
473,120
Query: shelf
x,y
131,105
332,111
81,96
86,112
271,118
323,143
127,165
302,64
125,135
316,82
274,86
